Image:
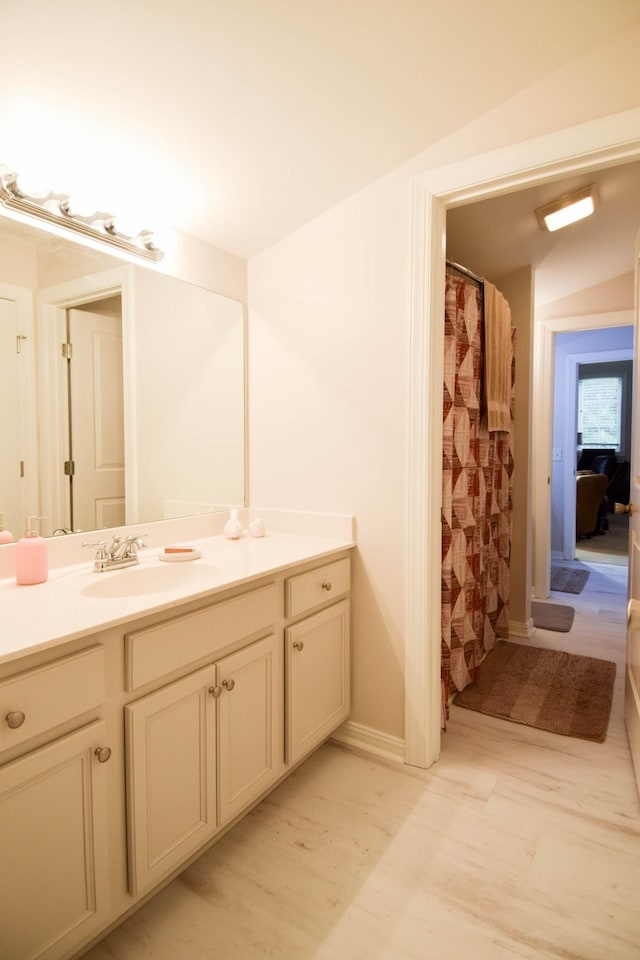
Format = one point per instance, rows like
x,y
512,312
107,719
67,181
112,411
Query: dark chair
x,y
589,454
604,463
619,484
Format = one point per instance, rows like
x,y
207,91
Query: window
x,y
599,411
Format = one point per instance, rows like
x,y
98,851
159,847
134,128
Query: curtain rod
x,y
465,271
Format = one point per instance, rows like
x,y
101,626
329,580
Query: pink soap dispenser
x,y
5,535
31,555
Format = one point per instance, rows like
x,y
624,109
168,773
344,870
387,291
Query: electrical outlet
x,y
557,453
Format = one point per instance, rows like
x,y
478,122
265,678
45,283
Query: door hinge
x,y
22,469
69,468
19,338
67,351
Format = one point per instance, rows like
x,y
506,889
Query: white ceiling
x,y
239,120
500,235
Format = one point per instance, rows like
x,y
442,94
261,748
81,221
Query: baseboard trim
x,y
520,629
373,741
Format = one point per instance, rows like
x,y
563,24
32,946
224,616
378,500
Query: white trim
x,y
373,741
573,361
586,146
422,674
29,503
543,376
525,630
542,432
53,302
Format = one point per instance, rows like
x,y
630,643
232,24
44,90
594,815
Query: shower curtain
x,y
477,498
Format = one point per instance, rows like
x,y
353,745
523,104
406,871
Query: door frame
x,y
52,305
26,403
588,146
570,427
544,354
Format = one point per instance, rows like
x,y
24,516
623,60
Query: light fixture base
x,y
57,209
567,209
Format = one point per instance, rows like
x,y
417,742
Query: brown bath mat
x,y
547,689
552,616
568,579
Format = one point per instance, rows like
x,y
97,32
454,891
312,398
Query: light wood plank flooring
x,y
516,844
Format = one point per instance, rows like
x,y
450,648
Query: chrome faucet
x,y
122,552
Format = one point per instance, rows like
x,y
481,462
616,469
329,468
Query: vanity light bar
x,y
56,208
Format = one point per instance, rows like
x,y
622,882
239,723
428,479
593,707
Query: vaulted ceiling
x,y
501,235
239,120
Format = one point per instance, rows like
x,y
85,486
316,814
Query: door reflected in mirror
x,y
128,388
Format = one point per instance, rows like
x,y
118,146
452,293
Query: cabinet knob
x,y
327,585
215,692
228,684
103,754
15,719
298,645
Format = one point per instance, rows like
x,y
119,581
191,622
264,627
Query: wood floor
x,y
516,844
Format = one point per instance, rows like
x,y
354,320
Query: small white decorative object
x,y
233,527
257,528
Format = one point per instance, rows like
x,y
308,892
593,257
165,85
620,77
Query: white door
x,y
171,776
18,454
250,726
10,468
97,420
317,678
55,883
632,673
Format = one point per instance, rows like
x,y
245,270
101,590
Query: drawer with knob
x,y
318,586
38,700
153,652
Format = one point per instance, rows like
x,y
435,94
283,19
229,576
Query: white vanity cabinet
x,y
171,776
199,751
53,809
317,657
130,749
250,725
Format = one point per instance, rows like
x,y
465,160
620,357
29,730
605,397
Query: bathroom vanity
x,y
144,711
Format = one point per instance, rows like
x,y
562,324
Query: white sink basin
x,y
143,580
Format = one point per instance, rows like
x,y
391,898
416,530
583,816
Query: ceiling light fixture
x,y
57,209
567,209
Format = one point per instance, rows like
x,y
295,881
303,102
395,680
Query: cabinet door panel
x,y
53,847
170,738
318,689
250,727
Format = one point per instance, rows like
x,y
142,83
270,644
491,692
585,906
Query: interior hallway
x,y
517,843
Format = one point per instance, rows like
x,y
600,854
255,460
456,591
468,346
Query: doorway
x,y
94,399
94,309
583,358
586,147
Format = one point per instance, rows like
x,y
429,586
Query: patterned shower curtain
x,y
477,499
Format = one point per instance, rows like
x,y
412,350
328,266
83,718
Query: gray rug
x,y
552,616
568,579
547,689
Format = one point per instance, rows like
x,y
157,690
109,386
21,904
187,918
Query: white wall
x,y
327,408
328,340
186,399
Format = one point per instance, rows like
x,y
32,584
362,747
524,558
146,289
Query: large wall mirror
x,y
122,389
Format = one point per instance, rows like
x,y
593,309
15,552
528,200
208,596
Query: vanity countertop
x,y
76,601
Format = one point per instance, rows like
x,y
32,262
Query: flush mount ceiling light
x,y
567,209
57,209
